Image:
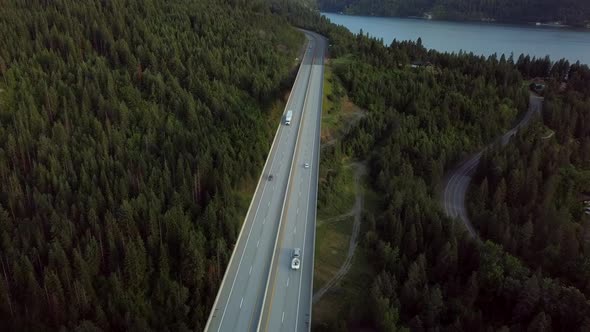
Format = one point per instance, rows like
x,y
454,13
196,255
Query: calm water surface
x,y
479,38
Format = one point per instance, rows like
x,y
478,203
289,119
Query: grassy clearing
x,y
331,248
348,300
342,199
339,113
329,116
345,303
343,60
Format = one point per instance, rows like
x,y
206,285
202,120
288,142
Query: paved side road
x,y
239,300
457,181
287,304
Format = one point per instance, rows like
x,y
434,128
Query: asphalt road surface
x,y
239,300
457,182
287,305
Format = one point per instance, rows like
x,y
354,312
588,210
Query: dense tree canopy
x,y
529,196
420,121
575,12
126,128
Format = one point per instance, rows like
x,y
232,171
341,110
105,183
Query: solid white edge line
x,y
260,179
286,194
244,251
304,238
317,182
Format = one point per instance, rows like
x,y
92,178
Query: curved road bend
x,y
457,181
288,302
238,304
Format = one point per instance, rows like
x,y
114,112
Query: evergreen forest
x,y
572,12
127,128
422,121
529,196
131,133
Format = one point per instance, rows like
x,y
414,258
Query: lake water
x,y
479,38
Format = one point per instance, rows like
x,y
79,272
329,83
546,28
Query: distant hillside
x,y
572,12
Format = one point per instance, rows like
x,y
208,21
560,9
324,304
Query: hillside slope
x,y
126,129
426,272
573,12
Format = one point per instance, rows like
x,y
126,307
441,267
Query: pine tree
x,y
528,299
540,323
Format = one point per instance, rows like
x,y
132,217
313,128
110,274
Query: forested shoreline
x,y
575,13
423,255
127,128
420,122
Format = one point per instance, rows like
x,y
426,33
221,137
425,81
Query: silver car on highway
x,y
296,260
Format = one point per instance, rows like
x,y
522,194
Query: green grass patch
x,y
329,116
342,194
343,60
331,247
339,113
347,301
345,304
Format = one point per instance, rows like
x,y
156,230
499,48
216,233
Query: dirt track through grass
x,y
356,211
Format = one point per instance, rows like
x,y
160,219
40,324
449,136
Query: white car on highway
x,y
295,261
306,165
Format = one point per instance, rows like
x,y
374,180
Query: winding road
x,y
457,181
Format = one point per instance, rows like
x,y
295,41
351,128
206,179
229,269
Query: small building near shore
x,y
418,64
537,87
